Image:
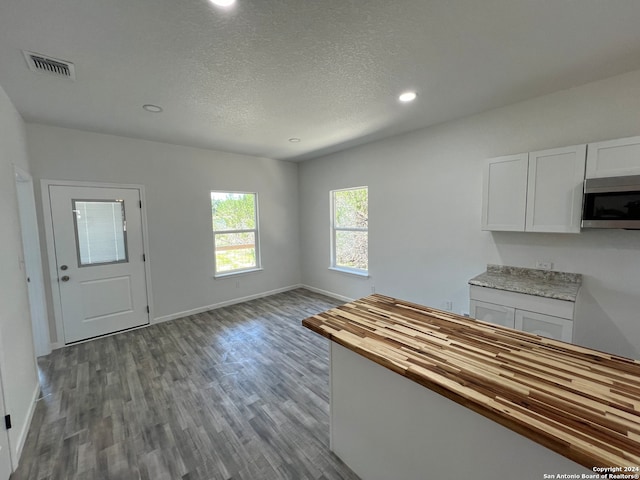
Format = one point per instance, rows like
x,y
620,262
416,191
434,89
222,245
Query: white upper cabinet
x,y
614,158
534,192
554,190
505,193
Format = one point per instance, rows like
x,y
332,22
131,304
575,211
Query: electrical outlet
x,y
544,264
373,289
237,283
448,305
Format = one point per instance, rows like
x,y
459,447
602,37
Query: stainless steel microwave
x,y
612,202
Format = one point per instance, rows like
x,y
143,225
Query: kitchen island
x,y
567,409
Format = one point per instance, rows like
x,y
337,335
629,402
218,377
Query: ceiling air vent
x,y
54,66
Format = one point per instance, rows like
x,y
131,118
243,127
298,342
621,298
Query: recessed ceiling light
x,y
407,97
223,3
152,108
294,140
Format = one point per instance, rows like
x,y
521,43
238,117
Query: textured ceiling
x,y
326,71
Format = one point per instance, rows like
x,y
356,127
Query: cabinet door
x,y
505,193
544,325
554,190
614,158
492,313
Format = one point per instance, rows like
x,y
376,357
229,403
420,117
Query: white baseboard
x,y
194,311
22,437
327,293
206,308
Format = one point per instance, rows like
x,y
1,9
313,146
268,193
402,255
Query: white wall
x,y
177,183
17,358
425,241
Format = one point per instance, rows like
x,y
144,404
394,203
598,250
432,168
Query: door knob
x,y
63,267
65,278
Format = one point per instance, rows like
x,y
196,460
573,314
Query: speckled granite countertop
x,y
530,281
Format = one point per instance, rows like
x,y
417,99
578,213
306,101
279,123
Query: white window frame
x,y
334,230
256,231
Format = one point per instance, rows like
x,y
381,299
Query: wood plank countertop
x,y
579,402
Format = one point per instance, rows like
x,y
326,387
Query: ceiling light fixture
x,y
407,97
223,3
152,108
294,140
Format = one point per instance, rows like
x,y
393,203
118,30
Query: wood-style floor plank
x,y
236,393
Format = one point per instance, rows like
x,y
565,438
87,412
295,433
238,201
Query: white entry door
x,y
5,455
99,258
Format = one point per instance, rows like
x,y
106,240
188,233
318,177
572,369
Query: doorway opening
x,y
32,262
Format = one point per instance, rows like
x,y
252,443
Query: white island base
x,y
387,427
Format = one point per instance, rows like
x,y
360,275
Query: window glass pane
x,y
100,231
235,251
351,208
352,249
233,211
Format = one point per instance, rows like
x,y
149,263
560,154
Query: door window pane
x,y
101,231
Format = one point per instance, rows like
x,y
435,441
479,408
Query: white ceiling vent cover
x,y
53,66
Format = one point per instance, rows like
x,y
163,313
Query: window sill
x,y
357,273
237,272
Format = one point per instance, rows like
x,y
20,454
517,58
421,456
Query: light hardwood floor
x,y
236,393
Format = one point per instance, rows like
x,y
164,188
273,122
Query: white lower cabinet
x,y
547,317
492,313
544,325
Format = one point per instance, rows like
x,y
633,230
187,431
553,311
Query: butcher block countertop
x,y
581,403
